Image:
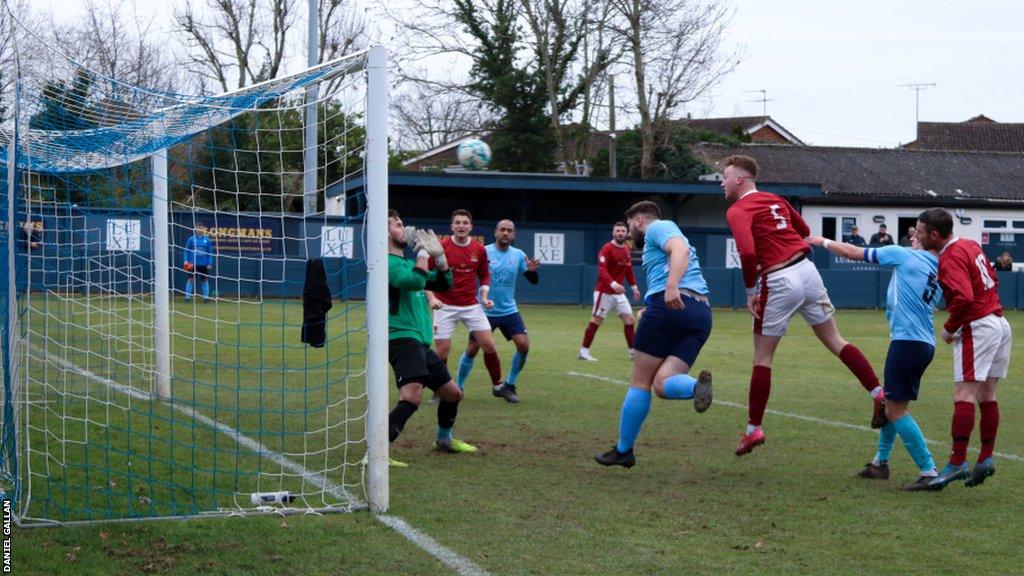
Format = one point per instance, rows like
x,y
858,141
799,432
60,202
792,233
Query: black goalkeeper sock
x,y
398,417
446,413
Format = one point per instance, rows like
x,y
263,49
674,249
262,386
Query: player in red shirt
x,y
981,340
614,269
467,259
769,237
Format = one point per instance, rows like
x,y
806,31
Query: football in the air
x,y
474,154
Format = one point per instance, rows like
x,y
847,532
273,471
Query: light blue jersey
x,y
913,291
506,266
655,260
199,250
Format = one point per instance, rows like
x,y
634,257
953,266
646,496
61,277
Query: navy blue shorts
x,y
904,366
510,325
680,333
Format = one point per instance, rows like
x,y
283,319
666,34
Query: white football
x,y
474,154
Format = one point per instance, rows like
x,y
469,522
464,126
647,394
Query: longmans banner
x,y
233,234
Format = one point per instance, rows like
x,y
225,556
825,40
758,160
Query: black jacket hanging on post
x,y
316,301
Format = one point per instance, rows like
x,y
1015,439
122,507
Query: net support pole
x,y
161,278
377,281
309,145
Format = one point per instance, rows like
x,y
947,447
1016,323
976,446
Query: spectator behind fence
x,y
905,239
1004,262
882,238
855,238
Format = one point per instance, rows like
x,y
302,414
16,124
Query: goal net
x,y
192,305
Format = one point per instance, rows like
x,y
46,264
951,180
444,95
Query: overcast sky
x,y
831,69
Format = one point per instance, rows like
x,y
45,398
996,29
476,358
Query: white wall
x,y
865,218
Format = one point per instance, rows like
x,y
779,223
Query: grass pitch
x,y
532,501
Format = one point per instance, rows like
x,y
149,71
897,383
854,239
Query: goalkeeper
x,y
198,262
410,332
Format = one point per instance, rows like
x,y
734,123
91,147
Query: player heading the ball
x,y
769,237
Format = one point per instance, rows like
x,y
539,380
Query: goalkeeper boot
x,y
453,446
615,458
873,472
750,441
982,470
702,392
506,391
949,474
878,418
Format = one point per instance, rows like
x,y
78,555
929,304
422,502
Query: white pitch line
x,y
816,420
461,565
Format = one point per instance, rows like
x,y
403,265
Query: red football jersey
x,y
767,231
613,263
969,283
468,264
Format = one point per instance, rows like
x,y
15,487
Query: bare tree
x,y
20,27
674,49
430,117
231,41
342,31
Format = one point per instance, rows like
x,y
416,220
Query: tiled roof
x,y
974,134
893,174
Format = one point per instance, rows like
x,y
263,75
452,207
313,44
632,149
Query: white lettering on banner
x,y
732,255
336,242
124,235
549,247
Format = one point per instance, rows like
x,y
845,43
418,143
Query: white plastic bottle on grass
x,y
270,498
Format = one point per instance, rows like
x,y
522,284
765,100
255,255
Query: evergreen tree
x,y
522,139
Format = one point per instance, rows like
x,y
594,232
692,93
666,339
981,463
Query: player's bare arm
x,y
842,249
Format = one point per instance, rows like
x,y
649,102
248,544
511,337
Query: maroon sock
x,y
963,425
493,364
859,365
989,427
588,336
760,389
630,332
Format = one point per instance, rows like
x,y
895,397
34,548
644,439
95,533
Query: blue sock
x,y
518,361
444,433
188,290
913,439
679,387
886,438
634,411
465,367
206,289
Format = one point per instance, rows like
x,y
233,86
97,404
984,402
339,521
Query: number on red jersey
x,y
781,219
982,265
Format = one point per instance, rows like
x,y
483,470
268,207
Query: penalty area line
x,y
461,565
794,416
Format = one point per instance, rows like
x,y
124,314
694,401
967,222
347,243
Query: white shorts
x,y
605,302
446,317
784,292
982,350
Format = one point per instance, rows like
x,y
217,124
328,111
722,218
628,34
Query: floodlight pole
x,y
613,167
309,145
376,234
161,277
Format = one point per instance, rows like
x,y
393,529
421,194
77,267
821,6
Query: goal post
x,y
186,333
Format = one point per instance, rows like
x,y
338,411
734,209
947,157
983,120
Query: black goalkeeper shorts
x,y
414,361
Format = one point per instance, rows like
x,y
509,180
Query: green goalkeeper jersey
x,y
408,309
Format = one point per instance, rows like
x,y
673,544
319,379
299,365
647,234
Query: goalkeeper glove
x,y
410,235
427,240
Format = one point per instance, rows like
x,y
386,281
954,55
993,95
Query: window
x,y
993,224
828,227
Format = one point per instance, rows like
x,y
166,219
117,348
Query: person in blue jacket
x,y
198,262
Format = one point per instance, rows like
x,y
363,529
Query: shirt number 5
x,y
781,219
